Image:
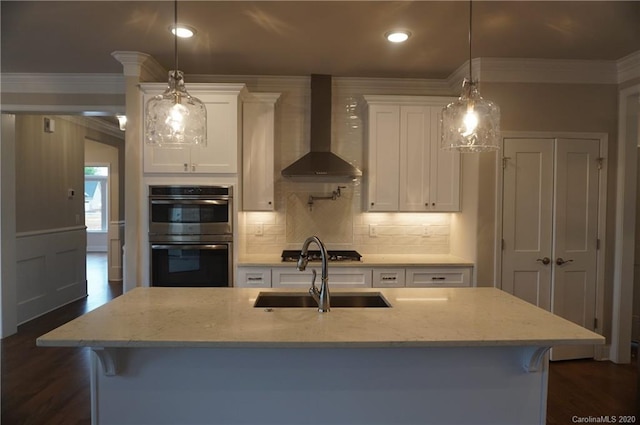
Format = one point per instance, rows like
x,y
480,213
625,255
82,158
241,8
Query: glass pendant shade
x,y
471,123
175,118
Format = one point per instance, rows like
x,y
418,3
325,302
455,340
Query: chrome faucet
x,y
321,296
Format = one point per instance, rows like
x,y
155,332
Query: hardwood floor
x,y
588,388
51,385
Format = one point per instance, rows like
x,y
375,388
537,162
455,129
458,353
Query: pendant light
x,y
471,123
175,118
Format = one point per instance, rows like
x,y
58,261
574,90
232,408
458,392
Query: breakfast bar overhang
x,y
206,355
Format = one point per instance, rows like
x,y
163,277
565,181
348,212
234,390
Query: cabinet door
x,y
429,277
383,157
290,277
444,180
257,152
220,155
253,277
166,160
415,158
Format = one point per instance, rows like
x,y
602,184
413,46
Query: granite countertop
x,y
225,317
368,260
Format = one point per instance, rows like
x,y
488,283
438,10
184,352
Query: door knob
x,y
560,261
545,260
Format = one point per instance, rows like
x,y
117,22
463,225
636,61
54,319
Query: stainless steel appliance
x,y
190,210
191,236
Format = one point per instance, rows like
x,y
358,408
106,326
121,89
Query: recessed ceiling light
x,y
397,36
183,31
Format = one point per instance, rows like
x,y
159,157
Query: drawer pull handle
x,y
389,278
254,279
438,278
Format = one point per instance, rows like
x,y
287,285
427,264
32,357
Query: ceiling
x,y
303,37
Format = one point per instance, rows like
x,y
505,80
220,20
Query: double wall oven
x,y
191,235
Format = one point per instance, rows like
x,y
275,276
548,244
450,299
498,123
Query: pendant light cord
x,y
175,35
470,22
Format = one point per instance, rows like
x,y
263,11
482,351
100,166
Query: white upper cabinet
x,y
407,171
220,155
258,112
383,177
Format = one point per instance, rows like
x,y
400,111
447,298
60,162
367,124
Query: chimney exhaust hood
x,y
320,164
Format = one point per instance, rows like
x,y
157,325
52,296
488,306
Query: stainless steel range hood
x,y
320,164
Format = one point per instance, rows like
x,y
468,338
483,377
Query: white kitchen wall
x,y
340,223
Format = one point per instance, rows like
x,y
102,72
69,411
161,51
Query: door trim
x,y
603,138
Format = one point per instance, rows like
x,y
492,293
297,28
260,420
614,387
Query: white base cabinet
x,y
388,278
290,277
356,277
438,277
253,277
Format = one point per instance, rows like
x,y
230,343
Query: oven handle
x,y
217,247
190,201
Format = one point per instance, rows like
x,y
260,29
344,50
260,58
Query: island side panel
x,y
479,385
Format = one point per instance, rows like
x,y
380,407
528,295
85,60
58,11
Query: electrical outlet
x,y
259,229
373,230
425,230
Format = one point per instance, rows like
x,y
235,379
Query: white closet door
x,y
528,219
550,215
575,238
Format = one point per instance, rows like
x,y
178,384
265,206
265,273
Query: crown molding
x,y
261,97
63,83
494,70
408,100
231,88
629,67
454,81
395,86
62,109
96,124
550,71
138,64
256,83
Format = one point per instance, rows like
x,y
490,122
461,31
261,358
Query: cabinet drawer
x,y
290,277
253,277
388,278
439,277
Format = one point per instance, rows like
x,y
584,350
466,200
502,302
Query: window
x,y
95,198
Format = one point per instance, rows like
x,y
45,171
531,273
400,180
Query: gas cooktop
x,y
314,255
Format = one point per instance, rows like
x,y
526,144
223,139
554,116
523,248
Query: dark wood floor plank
x,y
588,388
50,386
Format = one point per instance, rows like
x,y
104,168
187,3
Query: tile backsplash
x,y
341,224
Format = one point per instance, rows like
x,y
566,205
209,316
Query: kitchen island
x,y
207,356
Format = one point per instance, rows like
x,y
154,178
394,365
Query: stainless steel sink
x,y
338,300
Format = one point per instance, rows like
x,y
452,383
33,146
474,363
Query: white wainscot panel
x,y
51,270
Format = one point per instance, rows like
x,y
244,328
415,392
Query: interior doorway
x,y
96,207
